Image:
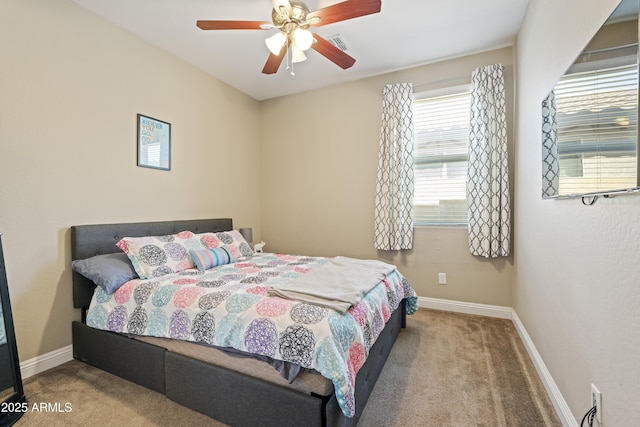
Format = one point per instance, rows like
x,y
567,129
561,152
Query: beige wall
x,y
70,88
319,160
577,275
71,85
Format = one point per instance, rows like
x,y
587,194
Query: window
x,y
597,120
441,144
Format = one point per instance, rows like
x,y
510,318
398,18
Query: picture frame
x,y
154,143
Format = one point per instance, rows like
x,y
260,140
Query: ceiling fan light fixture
x,y
303,38
275,42
297,55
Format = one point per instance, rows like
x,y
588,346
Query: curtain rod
x,y
447,79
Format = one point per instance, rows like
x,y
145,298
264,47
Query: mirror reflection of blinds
x,y
597,119
441,141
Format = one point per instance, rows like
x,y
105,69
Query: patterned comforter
x,y
228,306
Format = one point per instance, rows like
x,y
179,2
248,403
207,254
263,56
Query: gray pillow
x,y
108,271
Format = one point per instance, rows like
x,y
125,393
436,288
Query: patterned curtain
x,y
550,160
489,212
394,187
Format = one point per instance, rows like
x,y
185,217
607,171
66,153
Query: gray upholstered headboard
x,y
90,240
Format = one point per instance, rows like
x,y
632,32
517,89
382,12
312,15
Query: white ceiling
x,y
406,33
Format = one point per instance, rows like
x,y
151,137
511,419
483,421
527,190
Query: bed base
x,y
228,396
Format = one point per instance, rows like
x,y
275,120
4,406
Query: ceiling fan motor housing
x,y
297,15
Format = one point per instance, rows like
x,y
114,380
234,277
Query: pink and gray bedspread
x,y
229,306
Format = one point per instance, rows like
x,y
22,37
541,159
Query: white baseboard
x,y
45,362
466,307
566,417
564,413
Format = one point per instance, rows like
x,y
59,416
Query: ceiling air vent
x,y
339,42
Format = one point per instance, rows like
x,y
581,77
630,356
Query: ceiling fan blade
x,y
232,25
332,53
346,10
274,61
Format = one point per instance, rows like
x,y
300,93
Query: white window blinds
x,y
597,121
441,143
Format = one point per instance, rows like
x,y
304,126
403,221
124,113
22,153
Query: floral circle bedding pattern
x,y
229,306
156,256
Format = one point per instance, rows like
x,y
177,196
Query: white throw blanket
x,y
339,284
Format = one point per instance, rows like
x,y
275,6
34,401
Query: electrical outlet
x,y
596,400
442,278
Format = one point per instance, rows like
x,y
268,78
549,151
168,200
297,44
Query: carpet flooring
x,y
446,369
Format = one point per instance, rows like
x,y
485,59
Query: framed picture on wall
x,y
154,143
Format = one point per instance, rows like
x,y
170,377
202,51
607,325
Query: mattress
x,y
306,381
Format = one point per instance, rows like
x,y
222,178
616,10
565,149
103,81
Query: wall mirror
x,y
590,117
12,398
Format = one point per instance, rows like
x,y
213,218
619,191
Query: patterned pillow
x,y
205,259
155,256
232,240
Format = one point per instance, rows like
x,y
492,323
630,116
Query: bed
x,y
232,388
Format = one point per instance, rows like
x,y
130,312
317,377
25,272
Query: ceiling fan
x,y
293,18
